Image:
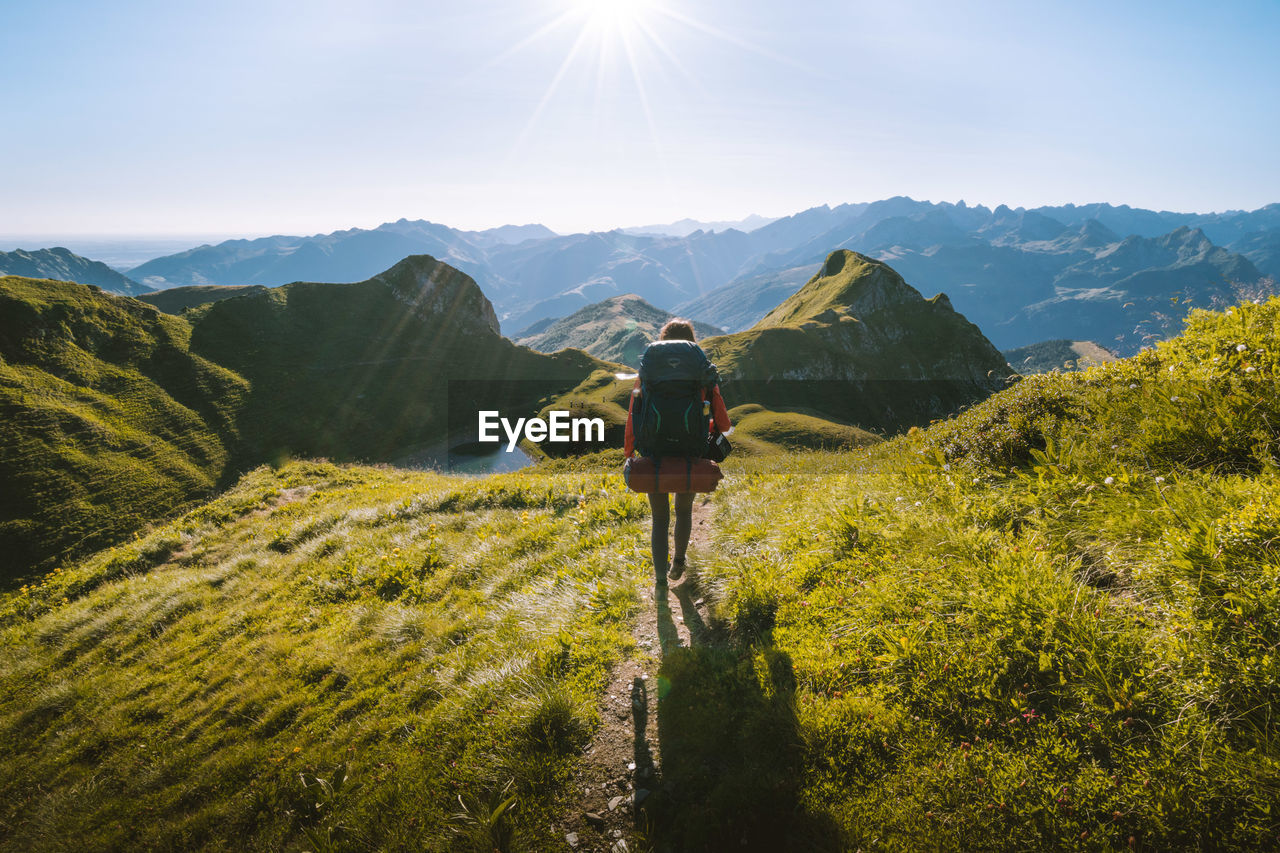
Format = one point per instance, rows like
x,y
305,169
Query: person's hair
x,y
678,329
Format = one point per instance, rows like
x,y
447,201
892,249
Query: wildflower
x,y
1173,399
1109,481
977,480
1171,368
946,466
1133,385
899,499
1241,347
1159,479
918,503
1250,369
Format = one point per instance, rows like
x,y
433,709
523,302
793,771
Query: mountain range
x,y
1116,274
64,265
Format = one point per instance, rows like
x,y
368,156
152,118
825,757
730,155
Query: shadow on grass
x,y
730,746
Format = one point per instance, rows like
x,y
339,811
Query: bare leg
x,y
684,523
658,538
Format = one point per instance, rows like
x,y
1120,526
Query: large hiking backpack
x,y
676,377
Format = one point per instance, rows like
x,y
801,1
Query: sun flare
x,y
613,15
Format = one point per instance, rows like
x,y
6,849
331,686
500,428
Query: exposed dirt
x,y
608,774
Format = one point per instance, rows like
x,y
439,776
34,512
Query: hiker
x,y
684,383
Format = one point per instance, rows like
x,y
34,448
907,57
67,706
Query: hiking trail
x,y
601,818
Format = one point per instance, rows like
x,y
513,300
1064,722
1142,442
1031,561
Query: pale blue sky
x,y
253,117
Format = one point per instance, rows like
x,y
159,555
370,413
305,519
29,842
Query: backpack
x,y
675,378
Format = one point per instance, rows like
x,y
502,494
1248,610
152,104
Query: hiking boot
x,y
677,570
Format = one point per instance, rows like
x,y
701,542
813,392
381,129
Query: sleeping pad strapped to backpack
x,y
676,377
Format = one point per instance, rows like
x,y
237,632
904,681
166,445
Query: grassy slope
x,y
348,371
175,300
1048,623
859,345
434,637
966,638
109,421
1057,355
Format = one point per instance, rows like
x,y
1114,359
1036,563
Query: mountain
x,y
175,300
60,264
110,421
858,344
342,256
617,329
742,303
1263,249
1060,355
685,227
116,414
369,369
1024,275
509,235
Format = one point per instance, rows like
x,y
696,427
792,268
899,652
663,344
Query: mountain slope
x,y
862,346
744,302
62,265
1057,355
366,370
175,300
617,329
109,420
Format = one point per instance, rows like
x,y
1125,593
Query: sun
x,y
616,15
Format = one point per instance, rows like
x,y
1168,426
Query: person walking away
x,y
675,408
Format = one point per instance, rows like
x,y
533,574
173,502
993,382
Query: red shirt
x,y
719,416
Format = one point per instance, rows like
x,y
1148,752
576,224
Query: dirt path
x,y
603,818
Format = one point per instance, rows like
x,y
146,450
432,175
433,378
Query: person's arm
x,y
719,413
629,443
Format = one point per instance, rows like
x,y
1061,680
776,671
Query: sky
x,y
252,117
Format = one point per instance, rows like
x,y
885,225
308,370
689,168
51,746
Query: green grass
x,y
1050,623
759,430
438,642
109,421
1047,623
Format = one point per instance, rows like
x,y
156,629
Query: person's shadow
x,y
729,742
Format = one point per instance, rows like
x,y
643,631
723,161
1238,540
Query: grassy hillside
x,y
435,642
363,371
617,329
1057,355
1048,623
858,344
175,300
109,420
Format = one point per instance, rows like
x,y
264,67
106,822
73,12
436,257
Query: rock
x,y
617,801
617,833
594,820
572,838
619,846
